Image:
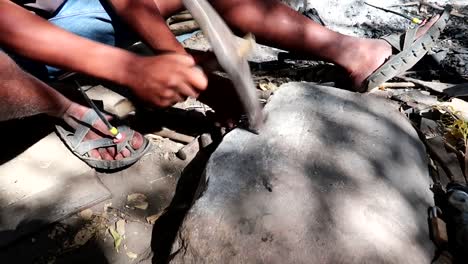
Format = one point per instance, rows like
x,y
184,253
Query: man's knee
x,y
6,65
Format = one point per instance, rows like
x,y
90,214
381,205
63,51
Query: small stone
x,y
137,200
106,206
86,214
267,86
132,255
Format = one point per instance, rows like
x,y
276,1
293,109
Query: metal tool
x,y
415,20
227,52
113,130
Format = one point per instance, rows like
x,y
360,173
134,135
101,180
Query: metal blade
x,y
226,50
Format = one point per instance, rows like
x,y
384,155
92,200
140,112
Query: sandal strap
x,y
89,145
128,137
89,118
127,143
82,147
410,37
402,41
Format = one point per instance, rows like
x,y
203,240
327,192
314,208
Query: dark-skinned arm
x,y
144,18
33,37
160,80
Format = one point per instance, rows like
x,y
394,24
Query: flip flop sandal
x,y
410,52
74,141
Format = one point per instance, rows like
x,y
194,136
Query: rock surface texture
x,y
333,177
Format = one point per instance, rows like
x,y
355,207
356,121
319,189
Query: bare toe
x,y
137,140
105,155
126,153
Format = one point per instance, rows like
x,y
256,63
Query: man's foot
x,y
364,56
76,112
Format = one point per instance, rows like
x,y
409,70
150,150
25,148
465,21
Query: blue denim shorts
x,y
92,19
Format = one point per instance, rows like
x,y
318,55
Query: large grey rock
x,y
334,177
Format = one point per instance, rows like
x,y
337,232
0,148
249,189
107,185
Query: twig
x,y
179,18
412,19
170,134
397,85
189,150
453,13
184,27
465,164
435,86
406,4
433,153
452,149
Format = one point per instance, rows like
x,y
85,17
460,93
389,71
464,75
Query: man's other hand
x,y
164,80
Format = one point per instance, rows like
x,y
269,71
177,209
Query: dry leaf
x,y
83,236
117,238
137,200
153,218
132,255
268,86
86,214
142,205
458,107
120,227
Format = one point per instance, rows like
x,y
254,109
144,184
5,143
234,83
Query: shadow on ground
x,y
188,189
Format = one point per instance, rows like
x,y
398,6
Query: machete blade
x,y
224,45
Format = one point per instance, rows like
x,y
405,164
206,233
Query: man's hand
x,y
166,79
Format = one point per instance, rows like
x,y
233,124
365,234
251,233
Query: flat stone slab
x,y
42,185
333,177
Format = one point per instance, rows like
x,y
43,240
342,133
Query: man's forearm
x,y
144,17
37,39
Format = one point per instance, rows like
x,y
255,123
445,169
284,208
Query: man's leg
x,y
275,24
23,95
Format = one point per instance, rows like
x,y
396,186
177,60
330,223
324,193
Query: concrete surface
x,y
155,176
38,188
333,177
